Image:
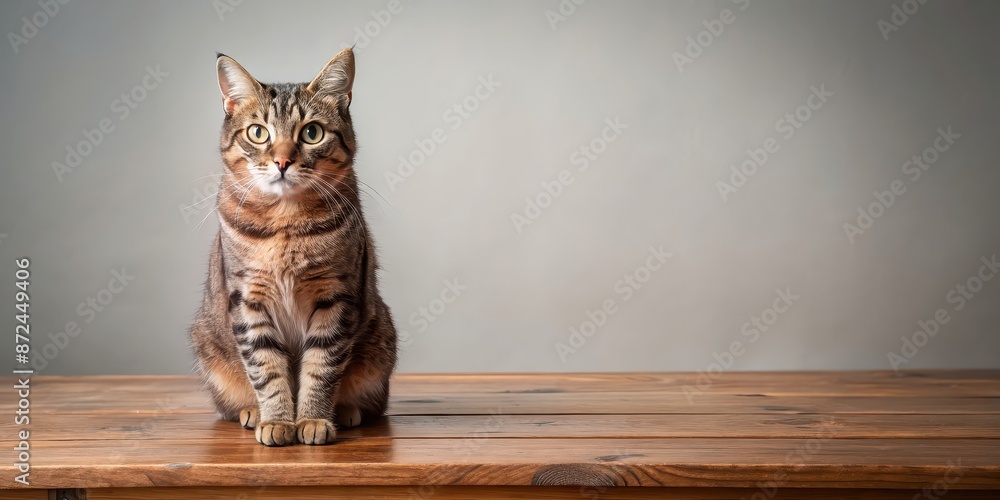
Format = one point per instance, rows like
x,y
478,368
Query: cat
x,y
292,338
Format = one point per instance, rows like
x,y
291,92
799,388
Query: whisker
x,y
360,229
365,185
246,194
353,212
216,207
328,193
362,191
204,219
319,188
205,177
199,202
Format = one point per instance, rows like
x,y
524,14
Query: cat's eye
x,y
257,134
312,133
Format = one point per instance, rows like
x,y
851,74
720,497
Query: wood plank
x,y
660,403
690,462
798,430
950,383
25,495
513,493
600,404
204,426
68,395
191,401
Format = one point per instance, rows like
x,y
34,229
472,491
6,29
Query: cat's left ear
x,y
337,77
235,83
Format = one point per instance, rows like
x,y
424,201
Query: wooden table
x,y
761,436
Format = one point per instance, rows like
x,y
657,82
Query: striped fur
x,y
292,335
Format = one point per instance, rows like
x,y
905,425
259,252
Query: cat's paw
x,y
348,417
248,418
275,433
315,431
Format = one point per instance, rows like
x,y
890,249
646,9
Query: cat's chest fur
x,y
292,274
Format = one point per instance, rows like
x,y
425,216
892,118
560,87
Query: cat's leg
x,y
232,393
268,368
325,353
221,368
364,391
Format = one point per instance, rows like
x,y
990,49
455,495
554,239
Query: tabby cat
x,y
292,335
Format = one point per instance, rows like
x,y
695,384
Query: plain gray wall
x,y
560,78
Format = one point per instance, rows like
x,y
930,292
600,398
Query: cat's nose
x,y
282,163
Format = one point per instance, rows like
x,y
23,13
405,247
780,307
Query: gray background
x,y
655,185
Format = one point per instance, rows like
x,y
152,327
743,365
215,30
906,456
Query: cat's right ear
x,y
235,83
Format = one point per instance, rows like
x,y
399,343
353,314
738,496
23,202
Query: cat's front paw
x,y
248,418
315,431
275,433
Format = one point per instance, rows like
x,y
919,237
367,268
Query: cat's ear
x,y
235,83
337,77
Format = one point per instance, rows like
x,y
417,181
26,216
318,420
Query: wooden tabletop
x,y
823,430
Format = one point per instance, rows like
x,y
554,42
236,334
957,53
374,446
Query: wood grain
x,y
24,495
207,426
512,493
182,395
632,435
948,383
888,463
